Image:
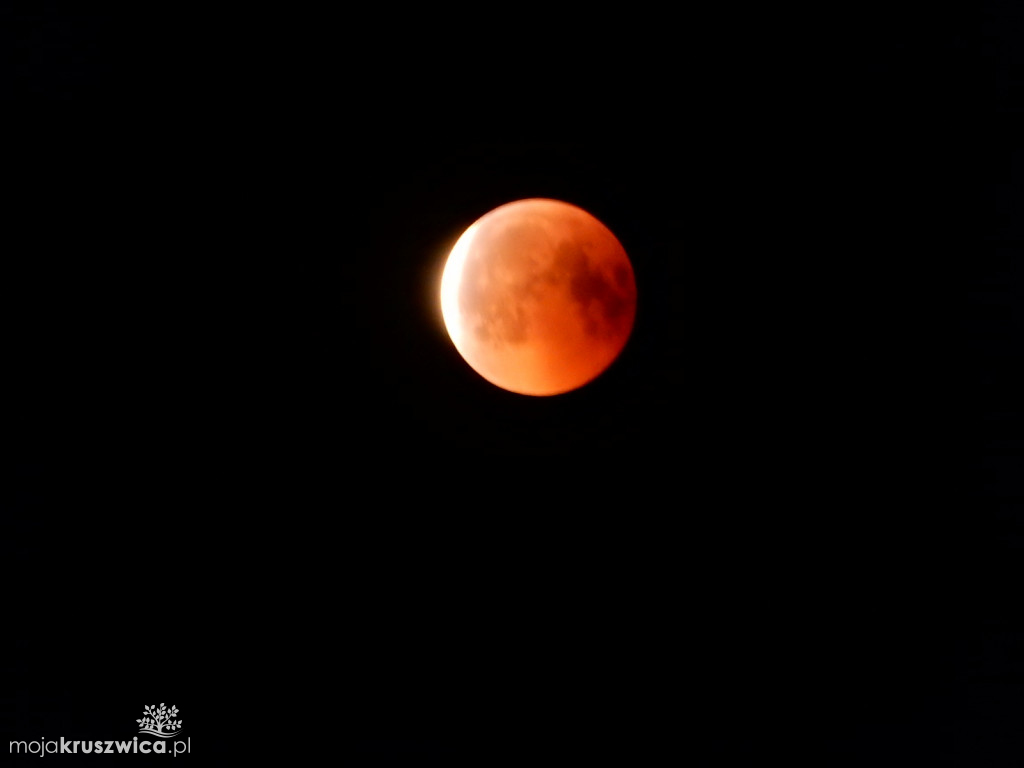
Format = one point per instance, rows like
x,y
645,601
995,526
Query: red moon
x,y
538,296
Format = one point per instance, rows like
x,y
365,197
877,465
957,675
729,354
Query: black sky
x,y
783,523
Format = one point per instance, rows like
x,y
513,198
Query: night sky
x,y
253,478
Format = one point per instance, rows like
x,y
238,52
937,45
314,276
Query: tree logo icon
x,y
159,721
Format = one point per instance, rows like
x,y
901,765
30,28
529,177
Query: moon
x,y
538,296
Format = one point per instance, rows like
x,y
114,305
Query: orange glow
x,y
538,296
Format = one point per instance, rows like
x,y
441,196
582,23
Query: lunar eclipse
x,y
538,296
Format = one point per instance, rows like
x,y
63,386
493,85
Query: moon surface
x,y
538,296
